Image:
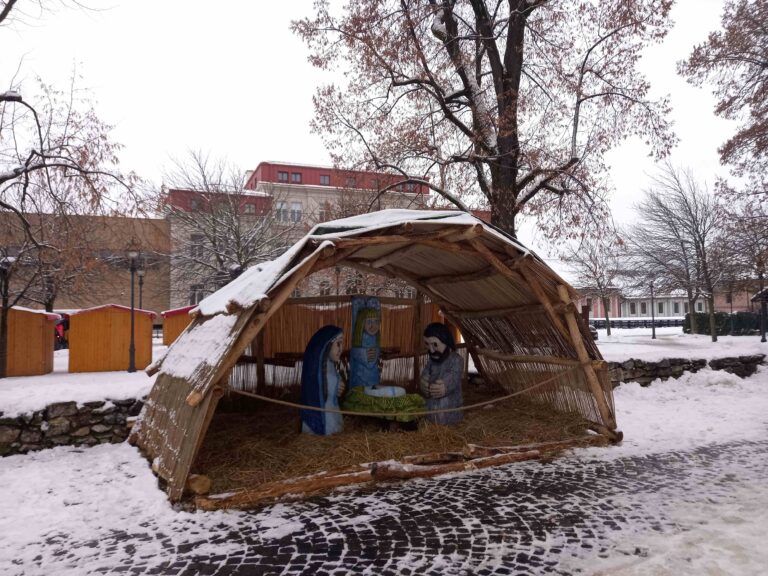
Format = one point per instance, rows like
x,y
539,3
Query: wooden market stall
x,y
99,338
30,341
174,323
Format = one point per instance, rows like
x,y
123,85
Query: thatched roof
x,y
513,311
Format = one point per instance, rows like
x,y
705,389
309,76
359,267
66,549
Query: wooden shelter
x,y
30,341
174,323
99,338
517,317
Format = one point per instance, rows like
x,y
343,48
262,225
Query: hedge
x,y
744,323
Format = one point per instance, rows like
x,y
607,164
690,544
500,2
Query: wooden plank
x,y
538,291
454,278
397,254
506,311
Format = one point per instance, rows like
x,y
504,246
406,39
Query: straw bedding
x,y
264,445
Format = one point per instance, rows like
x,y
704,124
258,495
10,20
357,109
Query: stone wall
x,y
66,423
633,370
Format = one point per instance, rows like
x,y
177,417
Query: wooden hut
x,y
174,323
516,315
30,341
99,338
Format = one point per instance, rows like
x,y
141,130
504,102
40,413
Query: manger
x,y
542,385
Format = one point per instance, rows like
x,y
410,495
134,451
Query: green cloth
x,y
356,400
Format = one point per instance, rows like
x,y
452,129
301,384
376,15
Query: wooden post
x,y
586,361
417,340
261,373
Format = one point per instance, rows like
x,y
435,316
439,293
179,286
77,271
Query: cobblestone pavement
x,y
519,519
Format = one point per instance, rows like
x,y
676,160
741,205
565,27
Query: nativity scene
x,y
267,395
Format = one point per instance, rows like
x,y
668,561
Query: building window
x,y
324,212
282,176
699,306
281,212
296,293
410,187
643,308
685,307
349,182
196,247
249,209
194,204
325,288
632,308
325,180
296,177
196,294
677,307
295,211
661,308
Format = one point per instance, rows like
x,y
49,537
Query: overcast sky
x,y
230,78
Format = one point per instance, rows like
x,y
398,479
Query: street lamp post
x,y
132,255
141,273
653,316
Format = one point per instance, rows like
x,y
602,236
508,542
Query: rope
x,y
422,413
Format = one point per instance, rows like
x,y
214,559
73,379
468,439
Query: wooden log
x,y
495,261
298,487
472,231
434,458
476,451
519,358
198,484
589,372
383,471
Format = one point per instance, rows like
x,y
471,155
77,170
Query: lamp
x,y
132,256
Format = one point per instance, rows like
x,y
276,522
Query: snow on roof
x,y
118,306
48,315
177,311
255,282
195,348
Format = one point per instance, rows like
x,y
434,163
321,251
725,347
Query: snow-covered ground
x,y
26,394
85,495
670,342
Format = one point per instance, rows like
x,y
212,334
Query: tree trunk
x,y
607,316
692,313
712,324
503,213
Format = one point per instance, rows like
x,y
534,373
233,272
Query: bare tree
x,y
745,238
597,264
218,228
56,158
678,240
734,61
514,103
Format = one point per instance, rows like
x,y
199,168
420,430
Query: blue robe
x,y
320,384
363,372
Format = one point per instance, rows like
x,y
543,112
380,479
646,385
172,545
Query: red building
x,y
251,202
300,174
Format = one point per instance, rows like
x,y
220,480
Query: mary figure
x,y
321,383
